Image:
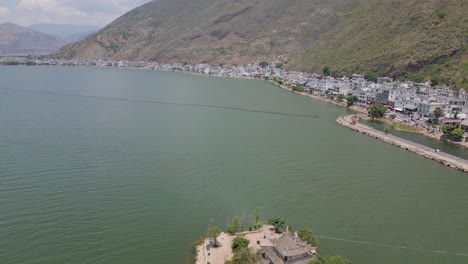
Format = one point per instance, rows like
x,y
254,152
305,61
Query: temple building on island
x,y
287,249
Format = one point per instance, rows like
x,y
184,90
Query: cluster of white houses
x,y
404,97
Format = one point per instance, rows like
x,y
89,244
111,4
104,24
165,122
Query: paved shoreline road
x,y
349,121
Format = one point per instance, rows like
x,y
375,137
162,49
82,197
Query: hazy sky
x,y
80,12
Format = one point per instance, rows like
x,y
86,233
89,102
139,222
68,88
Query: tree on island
x,y
257,214
377,111
438,112
278,222
257,223
238,243
306,235
243,256
234,226
351,100
213,233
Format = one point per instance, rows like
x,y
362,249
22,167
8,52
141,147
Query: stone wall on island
x,y
351,122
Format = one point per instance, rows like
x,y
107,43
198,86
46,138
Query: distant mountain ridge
x,y
16,38
68,32
424,40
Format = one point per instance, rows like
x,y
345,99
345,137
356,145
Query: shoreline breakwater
x,y
352,122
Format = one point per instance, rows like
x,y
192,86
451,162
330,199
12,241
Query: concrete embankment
x,y
351,121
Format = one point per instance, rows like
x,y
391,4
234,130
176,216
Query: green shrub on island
x,y
243,256
307,235
213,233
257,223
278,222
234,226
238,243
237,223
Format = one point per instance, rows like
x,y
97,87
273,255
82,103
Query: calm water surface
x,y
451,148
93,170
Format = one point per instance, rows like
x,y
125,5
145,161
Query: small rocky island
x,y
259,242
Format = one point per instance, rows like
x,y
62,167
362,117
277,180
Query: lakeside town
x,y
423,106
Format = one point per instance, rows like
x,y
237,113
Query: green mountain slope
x,y
422,39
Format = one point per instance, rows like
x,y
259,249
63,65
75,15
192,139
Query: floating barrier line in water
x,y
162,103
395,246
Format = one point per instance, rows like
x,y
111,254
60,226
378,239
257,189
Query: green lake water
x,y
450,148
128,166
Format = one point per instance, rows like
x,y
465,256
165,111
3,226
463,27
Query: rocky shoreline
x,y
351,122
